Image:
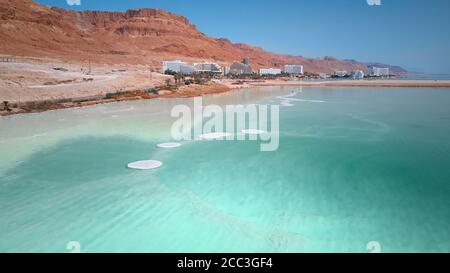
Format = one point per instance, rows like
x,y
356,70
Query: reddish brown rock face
x,y
142,36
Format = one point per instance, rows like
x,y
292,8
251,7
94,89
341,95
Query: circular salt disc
x,y
216,135
253,132
145,165
169,145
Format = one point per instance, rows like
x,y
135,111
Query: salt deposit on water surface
x,y
216,135
145,165
169,145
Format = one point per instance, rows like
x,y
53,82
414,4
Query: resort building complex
x,y
269,71
244,68
208,67
238,68
293,69
357,74
177,66
379,71
340,74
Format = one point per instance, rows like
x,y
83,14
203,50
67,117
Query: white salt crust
x,y
145,165
169,145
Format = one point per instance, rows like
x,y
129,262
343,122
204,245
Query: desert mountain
x,y
141,36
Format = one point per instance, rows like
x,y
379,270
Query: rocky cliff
x,y
142,36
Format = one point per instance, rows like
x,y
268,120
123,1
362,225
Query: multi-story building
x,y
187,69
208,67
379,71
238,68
340,74
173,66
269,71
177,66
293,69
226,71
357,74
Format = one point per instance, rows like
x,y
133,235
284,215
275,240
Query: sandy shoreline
x,y
48,105
214,87
36,85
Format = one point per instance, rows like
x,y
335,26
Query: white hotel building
x,y
379,71
177,66
269,71
340,73
357,74
208,67
293,69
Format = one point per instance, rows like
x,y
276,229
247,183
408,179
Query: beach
x,y
35,85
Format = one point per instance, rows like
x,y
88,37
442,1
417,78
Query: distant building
x,y
340,74
269,71
174,66
208,67
357,74
293,69
177,66
226,71
243,68
379,71
187,69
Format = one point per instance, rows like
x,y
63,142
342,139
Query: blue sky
x,y
412,33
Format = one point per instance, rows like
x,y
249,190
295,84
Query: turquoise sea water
x,y
367,164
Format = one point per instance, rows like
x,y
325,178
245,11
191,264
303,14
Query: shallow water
x,y
354,165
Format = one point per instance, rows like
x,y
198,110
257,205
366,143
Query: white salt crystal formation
x,y
145,165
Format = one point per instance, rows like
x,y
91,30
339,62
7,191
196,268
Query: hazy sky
x,y
412,33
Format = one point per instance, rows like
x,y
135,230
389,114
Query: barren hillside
x,y
143,36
